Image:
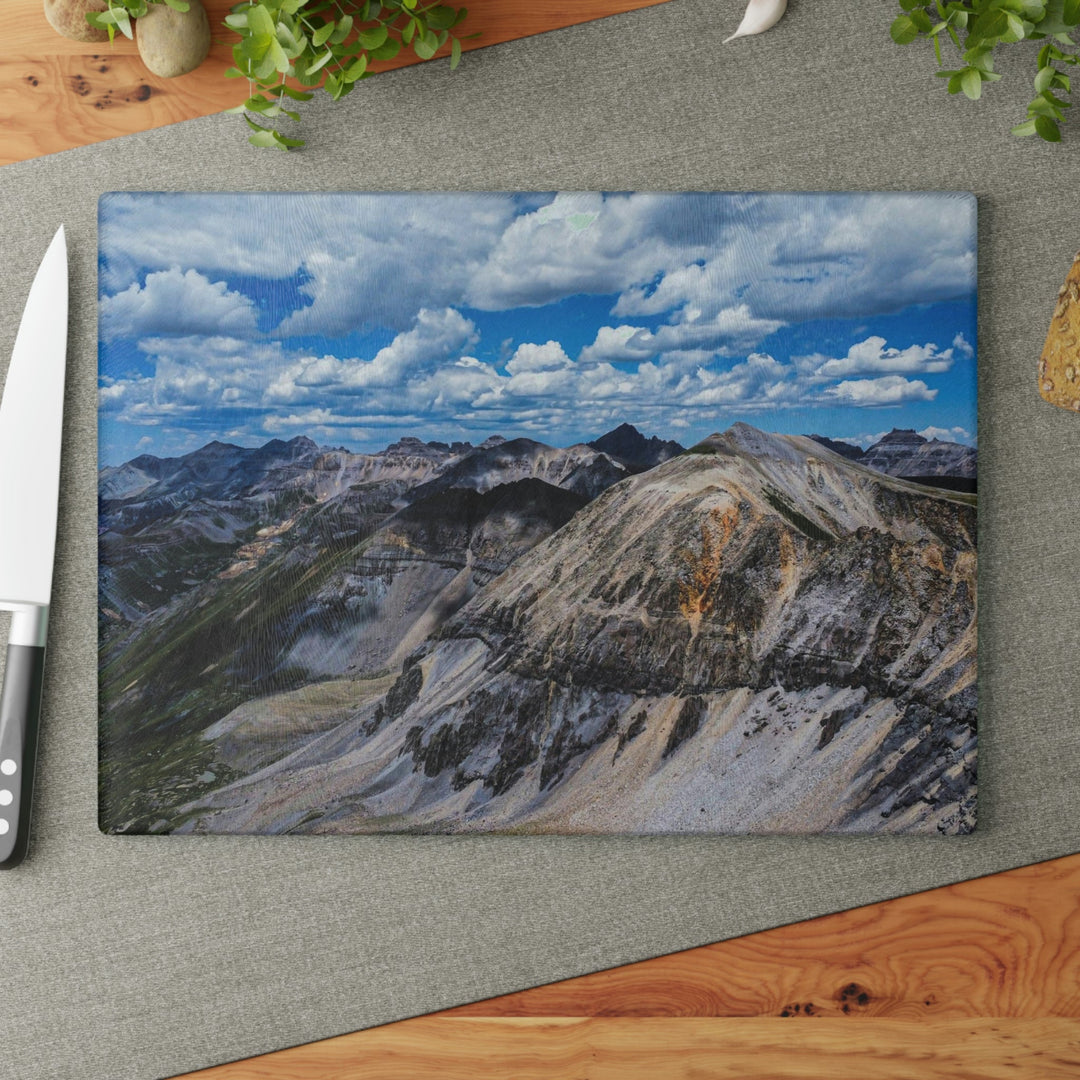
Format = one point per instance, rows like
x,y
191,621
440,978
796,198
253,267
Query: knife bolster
x,y
29,623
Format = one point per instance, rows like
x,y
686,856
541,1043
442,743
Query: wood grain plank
x,y
463,1048
1001,946
979,979
56,94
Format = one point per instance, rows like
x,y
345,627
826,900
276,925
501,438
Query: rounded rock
x,y
173,42
68,18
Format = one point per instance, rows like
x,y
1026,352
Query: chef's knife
x,y
31,416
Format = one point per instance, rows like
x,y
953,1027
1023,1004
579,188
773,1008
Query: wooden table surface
x,y
977,980
56,93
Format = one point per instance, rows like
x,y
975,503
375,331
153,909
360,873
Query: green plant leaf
x,y
373,38
260,21
1014,28
344,28
903,31
320,63
923,23
1026,128
455,54
441,17
386,51
971,84
265,138
320,36
1047,129
354,71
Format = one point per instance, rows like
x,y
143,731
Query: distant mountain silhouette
x,y
630,448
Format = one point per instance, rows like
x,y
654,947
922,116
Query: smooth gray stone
x,y
148,956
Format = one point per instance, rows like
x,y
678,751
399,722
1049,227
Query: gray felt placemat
x,y
138,957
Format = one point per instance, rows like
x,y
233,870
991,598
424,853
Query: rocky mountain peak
x,y
747,439
213,449
901,437
906,453
279,448
629,447
844,449
411,446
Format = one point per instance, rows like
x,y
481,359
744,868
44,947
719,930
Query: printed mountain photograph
x,y
537,513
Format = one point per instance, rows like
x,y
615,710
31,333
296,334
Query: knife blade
x,y
31,419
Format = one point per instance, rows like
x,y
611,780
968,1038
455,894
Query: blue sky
x,y
356,319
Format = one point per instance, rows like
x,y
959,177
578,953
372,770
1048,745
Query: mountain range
x,y
755,634
911,456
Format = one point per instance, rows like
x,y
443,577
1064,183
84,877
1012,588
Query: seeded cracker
x,y
1059,366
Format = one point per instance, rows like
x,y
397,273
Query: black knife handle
x,y
20,707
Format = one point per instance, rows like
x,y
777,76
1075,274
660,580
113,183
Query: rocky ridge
x,y
756,635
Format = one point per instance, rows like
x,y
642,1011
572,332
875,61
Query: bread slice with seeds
x,y
1059,365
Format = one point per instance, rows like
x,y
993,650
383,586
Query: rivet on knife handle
x,y
20,708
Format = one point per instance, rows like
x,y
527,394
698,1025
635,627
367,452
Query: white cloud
x,y
309,419
963,346
864,441
435,337
547,357
725,332
808,256
176,302
688,257
873,355
145,442
585,242
888,390
367,258
950,434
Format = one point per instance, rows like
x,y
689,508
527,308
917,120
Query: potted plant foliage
x,y
978,27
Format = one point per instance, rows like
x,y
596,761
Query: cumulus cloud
x,y
547,357
435,338
725,332
176,301
951,434
873,355
809,256
363,259
888,390
693,286
963,346
685,257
